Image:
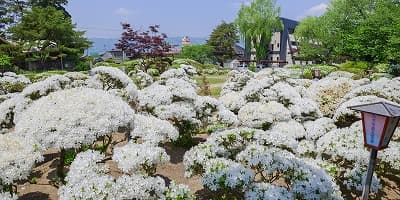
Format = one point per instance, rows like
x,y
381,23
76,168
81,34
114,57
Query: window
x,y
272,47
272,58
277,45
277,58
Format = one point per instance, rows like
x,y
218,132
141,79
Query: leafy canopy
x,y
149,45
256,23
358,30
48,32
222,39
200,53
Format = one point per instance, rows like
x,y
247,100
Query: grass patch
x,y
215,82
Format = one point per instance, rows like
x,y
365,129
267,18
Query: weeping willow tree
x,y
256,23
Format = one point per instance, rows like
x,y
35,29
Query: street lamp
x,y
379,122
317,73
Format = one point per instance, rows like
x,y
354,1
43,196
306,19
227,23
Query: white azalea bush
x,y
175,99
355,179
221,174
150,129
139,157
116,81
74,117
260,115
89,179
11,83
271,136
17,157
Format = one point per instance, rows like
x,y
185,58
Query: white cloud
x,y
123,12
317,10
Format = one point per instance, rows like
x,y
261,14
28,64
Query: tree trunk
x,y
61,165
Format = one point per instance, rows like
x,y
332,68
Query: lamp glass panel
x,y
389,130
373,128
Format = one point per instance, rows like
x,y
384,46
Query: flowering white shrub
x,y
210,110
153,130
316,129
221,173
311,182
236,81
342,74
290,128
11,108
268,162
142,79
305,109
287,95
153,96
306,181
7,196
277,74
305,148
140,187
277,139
114,79
305,83
259,115
257,90
179,111
345,115
268,191
225,143
88,179
388,89
355,179
179,73
11,82
227,117
73,76
329,91
344,143
17,157
139,157
48,85
70,118
181,90
233,101
179,191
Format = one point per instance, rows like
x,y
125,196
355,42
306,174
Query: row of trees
x,y
361,30
255,23
42,30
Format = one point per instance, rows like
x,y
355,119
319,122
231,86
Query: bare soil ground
x,y
40,185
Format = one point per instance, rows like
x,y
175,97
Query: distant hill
x,y
101,45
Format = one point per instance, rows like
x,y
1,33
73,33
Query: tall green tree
x,y
58,4
358,30
201,53
47,32
314,40
10,14
256,23
222,39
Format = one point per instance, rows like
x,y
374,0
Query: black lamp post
x,y
379,122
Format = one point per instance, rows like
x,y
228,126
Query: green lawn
x,y
215,81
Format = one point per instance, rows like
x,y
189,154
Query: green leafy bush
x,y
153,72
381,68
355,65
394,69
5,62
325,70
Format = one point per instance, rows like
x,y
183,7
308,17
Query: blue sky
x,y
194,18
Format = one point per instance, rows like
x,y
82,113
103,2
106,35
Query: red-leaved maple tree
x,y
148,45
